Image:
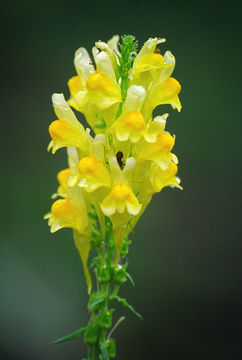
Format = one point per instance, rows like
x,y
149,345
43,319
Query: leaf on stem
x,y
126,304
71,336
95,299
130,278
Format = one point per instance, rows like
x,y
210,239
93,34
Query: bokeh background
x,y
186,252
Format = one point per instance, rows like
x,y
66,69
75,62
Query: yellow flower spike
x,y
167,93
114,174
102,91
120,198
93,174
83,246
165,178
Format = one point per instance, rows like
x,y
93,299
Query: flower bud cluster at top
x,y
125,158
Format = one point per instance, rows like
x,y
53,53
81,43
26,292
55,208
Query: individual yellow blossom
x,y
130,126
102,91
161,178
159,151
93,174
121,197
153,71
146,59
65,214
62,178
95,91
67,130
167,93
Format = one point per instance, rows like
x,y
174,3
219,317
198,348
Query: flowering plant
x,y
114,169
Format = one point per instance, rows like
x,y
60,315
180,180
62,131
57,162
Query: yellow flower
x,y
62,178
159,151
75,85
120,198
167,93
93,174
65,214
67,131
102,91
160,178
153,71
130,126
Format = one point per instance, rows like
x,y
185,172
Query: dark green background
x,y
186,253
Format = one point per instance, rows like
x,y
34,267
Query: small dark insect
x,y
99,50
157,51
119,157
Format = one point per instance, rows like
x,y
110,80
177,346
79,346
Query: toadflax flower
x,y
125,157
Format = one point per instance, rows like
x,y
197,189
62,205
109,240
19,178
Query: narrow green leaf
x,y
130,278
71,336
126,304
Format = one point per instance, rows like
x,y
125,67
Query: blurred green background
x,y
186,252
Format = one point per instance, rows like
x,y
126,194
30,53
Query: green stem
x,y
98,333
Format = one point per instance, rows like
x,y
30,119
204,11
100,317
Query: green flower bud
x,y
103,274
105,320
111,348
119,274
91,334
